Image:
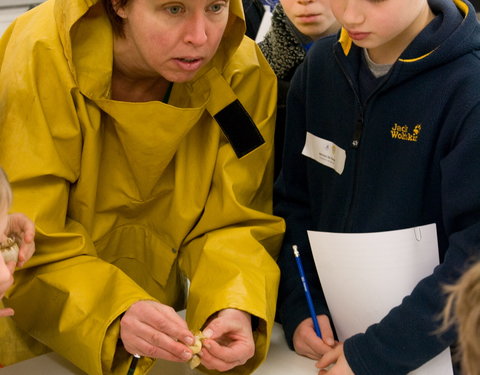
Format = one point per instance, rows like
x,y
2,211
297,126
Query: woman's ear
x,y
119,10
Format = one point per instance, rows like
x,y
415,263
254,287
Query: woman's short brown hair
x,y
115,19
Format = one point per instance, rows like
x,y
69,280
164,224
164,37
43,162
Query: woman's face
x,y
172,39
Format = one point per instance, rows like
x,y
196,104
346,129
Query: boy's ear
x,y
119,9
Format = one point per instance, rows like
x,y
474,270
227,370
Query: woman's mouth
x,y
189,63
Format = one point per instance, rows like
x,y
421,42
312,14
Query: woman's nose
x,y
196,32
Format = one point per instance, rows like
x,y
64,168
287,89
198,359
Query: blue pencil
x,y
307,291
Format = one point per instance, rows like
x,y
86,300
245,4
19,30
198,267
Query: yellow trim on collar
x,y
416,58
345,41
462,6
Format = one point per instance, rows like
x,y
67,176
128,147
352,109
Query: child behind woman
x,y
295,25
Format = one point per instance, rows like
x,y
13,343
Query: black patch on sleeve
x,y
239,128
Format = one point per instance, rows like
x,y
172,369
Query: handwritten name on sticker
x,y
325,152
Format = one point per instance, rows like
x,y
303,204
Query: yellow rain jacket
x,y
132,199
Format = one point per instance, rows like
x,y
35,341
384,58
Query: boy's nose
x,y
352,13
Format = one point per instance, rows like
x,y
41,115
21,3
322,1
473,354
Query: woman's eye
x,y
216,8
175,9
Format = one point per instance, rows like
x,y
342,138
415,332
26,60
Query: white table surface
x,y
280,361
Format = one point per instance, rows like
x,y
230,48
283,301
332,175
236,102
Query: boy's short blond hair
x,y
463,310
5,190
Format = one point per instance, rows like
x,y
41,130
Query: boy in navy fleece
x,y
397,92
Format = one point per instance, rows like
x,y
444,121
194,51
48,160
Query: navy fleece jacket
x,y
412,158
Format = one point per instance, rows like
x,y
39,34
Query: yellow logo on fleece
x,y
401,132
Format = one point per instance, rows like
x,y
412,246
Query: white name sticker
x,y
325,152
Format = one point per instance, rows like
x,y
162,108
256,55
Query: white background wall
x,y
11,9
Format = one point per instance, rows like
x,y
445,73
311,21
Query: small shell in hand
x,y
195,348
9,250
194,361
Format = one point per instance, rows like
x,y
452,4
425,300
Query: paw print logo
x,y
416,130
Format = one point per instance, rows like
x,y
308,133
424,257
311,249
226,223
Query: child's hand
x,y
22,227
6,276
307,343
334,363
6,312
6,281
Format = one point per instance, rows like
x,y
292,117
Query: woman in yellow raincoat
x,y
138,137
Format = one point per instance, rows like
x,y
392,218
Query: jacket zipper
x,y
355,145
357,135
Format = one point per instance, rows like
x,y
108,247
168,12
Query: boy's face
x,y
384,27
313,18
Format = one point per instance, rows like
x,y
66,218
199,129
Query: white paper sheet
x,y
365,275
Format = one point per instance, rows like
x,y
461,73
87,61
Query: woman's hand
x,y
229,341
151,329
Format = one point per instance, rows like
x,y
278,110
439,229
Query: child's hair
x,y
462,309
5,190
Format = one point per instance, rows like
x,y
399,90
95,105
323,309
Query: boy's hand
x,y
307,343
334,363
23,228
229,341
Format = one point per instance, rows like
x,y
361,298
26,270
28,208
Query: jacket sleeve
x,y
59,297
409,330
229,257
292,203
